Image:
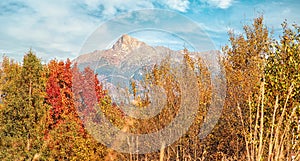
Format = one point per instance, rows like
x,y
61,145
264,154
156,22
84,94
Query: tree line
x,y
43,106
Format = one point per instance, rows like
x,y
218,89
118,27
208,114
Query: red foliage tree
x,y
60,95
88,92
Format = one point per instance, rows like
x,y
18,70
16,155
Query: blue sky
x,y
59,28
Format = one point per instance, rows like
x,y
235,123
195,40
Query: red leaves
x,y
59,94
88,91
70,93
54,97
100,92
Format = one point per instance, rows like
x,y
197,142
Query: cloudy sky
x,y
59,28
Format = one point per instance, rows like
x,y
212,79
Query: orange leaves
x,y
60,95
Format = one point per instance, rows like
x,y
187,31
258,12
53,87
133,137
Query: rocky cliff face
x,y
127,44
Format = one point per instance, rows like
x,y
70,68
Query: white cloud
x,y
60,27
110,8
61,24
223,4
55,28
180,5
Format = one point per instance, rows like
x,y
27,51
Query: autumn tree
x,y
282,96
22,115
66,136
262,104
88,92
243,61
283,65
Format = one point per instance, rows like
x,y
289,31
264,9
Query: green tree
x,y
23,91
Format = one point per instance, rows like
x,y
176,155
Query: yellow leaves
x,y
134,88
189,60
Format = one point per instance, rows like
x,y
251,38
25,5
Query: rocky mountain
x,y
125,59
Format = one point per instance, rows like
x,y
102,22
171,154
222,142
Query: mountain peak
x,y
127,43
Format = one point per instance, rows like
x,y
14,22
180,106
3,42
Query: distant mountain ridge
x,y
126,56
125,47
